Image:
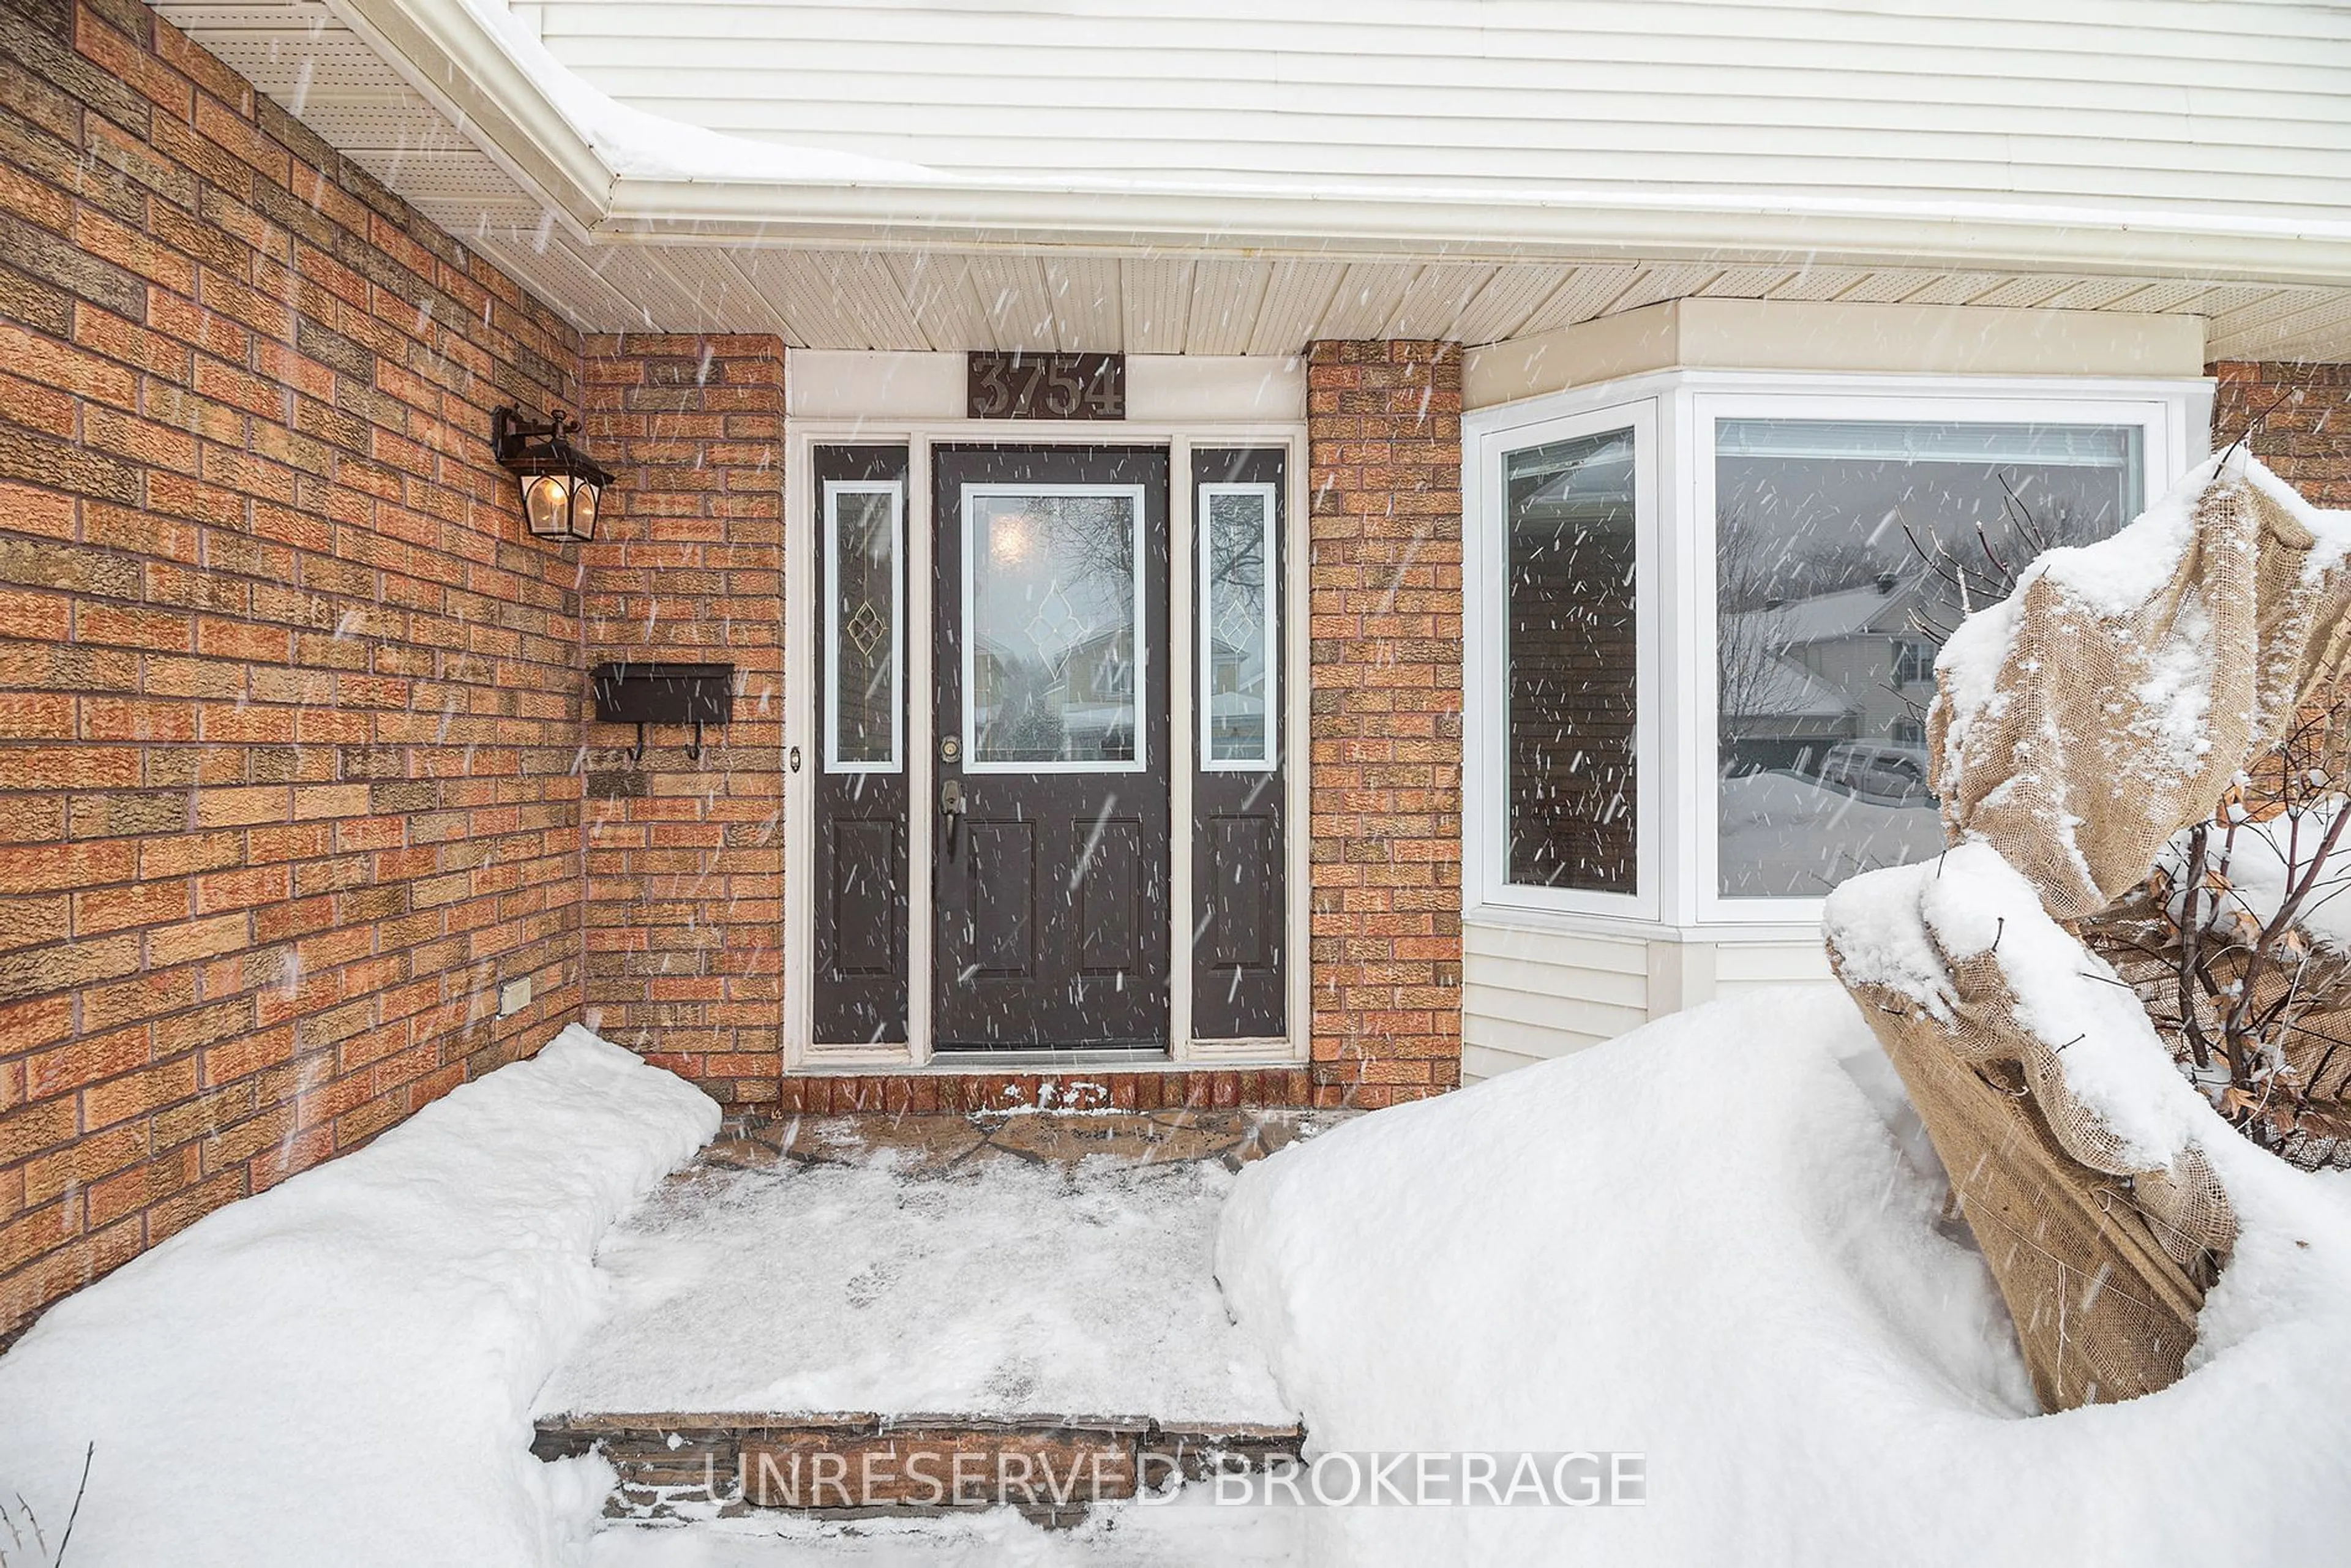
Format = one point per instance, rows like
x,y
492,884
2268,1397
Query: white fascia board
x,y
450,53
443,50
1553,226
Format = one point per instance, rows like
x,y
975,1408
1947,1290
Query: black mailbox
x,y
663,693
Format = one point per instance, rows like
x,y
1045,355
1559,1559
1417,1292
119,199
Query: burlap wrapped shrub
x,y
2078,727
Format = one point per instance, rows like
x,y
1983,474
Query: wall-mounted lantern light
x,y
560,488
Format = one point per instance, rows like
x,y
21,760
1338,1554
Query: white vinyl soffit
x,y
628,220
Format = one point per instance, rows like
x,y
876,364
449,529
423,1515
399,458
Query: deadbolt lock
x,y
951,749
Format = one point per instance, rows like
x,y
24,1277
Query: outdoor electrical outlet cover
x,y
513,996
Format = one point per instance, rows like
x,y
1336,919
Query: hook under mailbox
x,y
651,693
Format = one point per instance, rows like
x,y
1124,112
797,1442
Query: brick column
x,y
1383,421
2306,435
685,857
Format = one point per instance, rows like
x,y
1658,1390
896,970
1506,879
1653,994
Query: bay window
x,y
1703,609
1571,657
1846,551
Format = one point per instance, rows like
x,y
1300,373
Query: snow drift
x,y
1717,1241
339,1371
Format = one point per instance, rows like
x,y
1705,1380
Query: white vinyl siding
x,y
2217,118
2222,104
1741,967
1528,995
1531,993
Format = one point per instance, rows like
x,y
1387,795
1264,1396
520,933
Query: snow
x,y
2121,574
1782,833
1714,1242
634,144
2117,578
2329,527
1180,1533
2175,695
996,1288
339,1371
2260,856
2113,577
1970,901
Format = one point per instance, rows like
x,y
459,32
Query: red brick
x,y
1384,457
693,543
174,776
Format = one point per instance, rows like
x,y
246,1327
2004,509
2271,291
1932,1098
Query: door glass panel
x,y
1052,597
1237,630
1846,550
1573,665
866,694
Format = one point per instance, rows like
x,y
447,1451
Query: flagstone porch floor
x,y
1036,1283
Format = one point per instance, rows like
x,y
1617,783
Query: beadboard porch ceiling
x,y
958,277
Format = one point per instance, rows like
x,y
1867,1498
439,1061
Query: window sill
x,y
1629,928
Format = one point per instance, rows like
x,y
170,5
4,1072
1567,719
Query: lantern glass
x,y
559,484
546,504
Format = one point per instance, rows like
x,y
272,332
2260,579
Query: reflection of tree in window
x,y
1053,628
1234,612
1572,664
1846,552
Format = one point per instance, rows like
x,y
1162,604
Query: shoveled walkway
x,y
1043,1281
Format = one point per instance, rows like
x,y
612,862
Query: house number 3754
x,y
1019,385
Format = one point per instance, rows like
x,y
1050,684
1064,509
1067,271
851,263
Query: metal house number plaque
x,y
1019,385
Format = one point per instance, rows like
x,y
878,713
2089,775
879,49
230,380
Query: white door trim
x,y
803,618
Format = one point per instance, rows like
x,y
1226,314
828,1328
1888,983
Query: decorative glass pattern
x,y
865,694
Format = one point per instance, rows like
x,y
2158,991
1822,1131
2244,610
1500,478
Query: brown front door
x,y
1050,834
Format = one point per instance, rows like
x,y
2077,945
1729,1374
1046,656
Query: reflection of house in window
x,y
1237,716
1081,708
1802,675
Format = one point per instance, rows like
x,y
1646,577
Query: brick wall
x,y
288,702
924,1093
685,857
1384,424
291,708
2305,429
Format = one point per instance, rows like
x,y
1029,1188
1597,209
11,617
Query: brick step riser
x,y
861,1466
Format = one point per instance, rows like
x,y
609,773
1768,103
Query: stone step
x,y
684,1464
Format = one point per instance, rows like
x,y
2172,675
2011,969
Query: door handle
x,y
951,807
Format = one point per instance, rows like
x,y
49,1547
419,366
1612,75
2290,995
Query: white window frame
x,y
1268,534
1133,495
834,490
1677,856
1486,653
1960,402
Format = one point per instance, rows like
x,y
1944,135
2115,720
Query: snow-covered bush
x,y
2240,945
